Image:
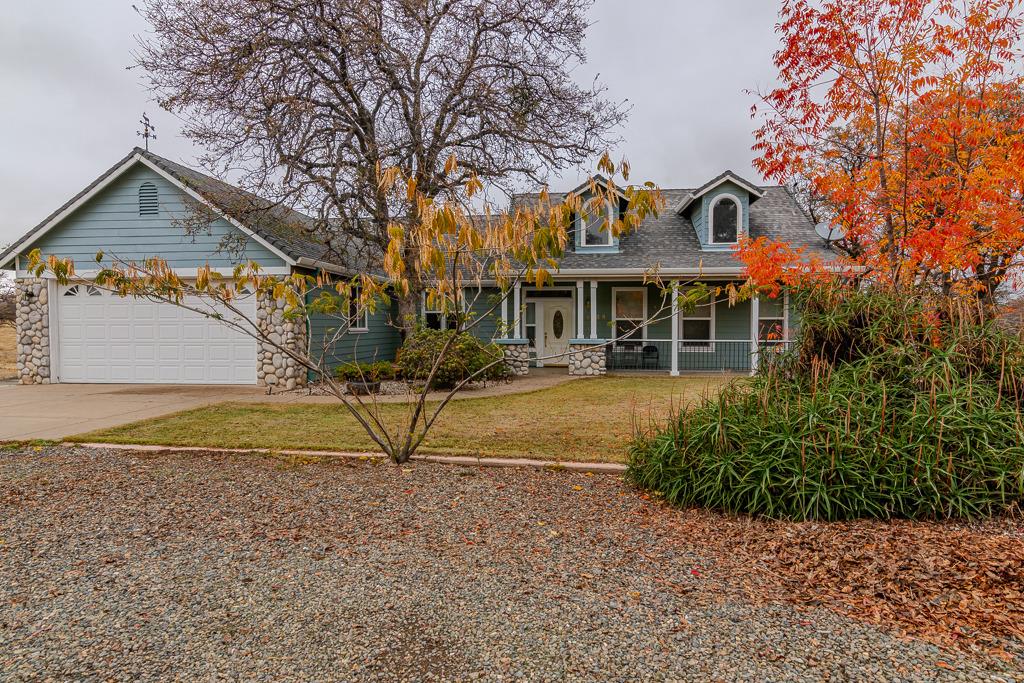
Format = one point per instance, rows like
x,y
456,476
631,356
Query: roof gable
x,y
280,229
753,190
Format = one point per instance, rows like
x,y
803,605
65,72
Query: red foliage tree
x,y
907,118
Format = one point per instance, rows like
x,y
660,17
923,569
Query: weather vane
x,y
148,130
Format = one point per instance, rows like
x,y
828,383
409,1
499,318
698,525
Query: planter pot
x,y
363,388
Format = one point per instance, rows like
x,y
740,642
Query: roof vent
x,y
149,204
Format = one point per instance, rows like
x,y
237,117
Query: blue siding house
x,y
591,321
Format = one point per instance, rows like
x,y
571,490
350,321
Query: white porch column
x,y
593,309
579,309
755,315
675,328
504,315
785,318
517,322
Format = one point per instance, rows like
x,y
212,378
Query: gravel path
x,y
120,566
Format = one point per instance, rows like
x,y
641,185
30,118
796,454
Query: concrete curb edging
x,y
460,460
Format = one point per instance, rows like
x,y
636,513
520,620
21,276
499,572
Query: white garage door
x,y
106,338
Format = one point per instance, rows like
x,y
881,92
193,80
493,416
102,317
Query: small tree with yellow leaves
x,y
445,250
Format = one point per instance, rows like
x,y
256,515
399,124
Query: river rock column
x,y
274,367
587,358
517,355
32,329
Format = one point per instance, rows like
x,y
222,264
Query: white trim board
x,y
137,158
728,177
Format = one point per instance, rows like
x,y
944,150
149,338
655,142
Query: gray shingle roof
x,y
670,240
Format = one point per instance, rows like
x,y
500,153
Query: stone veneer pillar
x,y
32,329
587,357
517,355
274,367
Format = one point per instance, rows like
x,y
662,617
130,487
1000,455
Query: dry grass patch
x,y
8,351
585,420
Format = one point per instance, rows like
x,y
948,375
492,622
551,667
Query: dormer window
x,y
725,219
594,225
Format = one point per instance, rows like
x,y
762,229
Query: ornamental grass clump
x,y
888,406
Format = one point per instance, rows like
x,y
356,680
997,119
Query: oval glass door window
x,y
557,324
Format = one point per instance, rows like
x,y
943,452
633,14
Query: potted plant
x,y
364,378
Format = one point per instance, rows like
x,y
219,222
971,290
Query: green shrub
x,y
465,357
380,371
889,407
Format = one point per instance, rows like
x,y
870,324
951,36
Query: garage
x,y
105,338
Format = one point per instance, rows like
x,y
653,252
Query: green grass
x,y
583,420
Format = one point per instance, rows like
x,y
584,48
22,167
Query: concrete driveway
x,y
55,411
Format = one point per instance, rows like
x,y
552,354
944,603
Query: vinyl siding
x,y
481,301
381,342
110,222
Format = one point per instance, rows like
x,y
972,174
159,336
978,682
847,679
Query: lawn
x,y
8,348
583,420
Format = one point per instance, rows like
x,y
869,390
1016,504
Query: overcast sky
x,y
70,107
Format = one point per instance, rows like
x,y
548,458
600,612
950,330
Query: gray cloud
x,y
70,106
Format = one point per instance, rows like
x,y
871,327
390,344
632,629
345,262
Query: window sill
x,y
597,249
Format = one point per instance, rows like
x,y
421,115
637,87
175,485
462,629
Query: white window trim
x,y
364,314
683,315
463,301
711,217
581,227
615,318
784,319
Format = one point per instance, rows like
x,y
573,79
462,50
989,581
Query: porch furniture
x,y
649,357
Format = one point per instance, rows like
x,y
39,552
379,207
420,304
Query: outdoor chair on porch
x,y
649,359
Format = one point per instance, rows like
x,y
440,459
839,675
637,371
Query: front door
x,y
558,330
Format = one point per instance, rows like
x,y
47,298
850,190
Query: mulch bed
x,y
952,584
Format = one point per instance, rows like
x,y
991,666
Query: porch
x,y
595,326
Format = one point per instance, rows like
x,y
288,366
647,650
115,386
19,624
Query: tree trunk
x,y
408,311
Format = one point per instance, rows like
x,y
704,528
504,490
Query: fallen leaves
x,y
953,585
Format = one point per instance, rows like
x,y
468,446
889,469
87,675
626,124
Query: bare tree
x,y
310,99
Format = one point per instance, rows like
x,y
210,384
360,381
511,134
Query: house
x,y
136,209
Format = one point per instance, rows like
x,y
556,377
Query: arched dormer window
x,y
149,202
726,217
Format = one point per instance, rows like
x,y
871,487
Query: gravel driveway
x,y
153,567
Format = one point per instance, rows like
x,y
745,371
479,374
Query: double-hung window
x,y
697,326
435,318
594,223
726,218
358,316
630,314
771,322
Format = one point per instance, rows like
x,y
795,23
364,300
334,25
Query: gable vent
x,y
149,203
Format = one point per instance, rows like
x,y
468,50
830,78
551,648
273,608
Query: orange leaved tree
x,y
904,121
